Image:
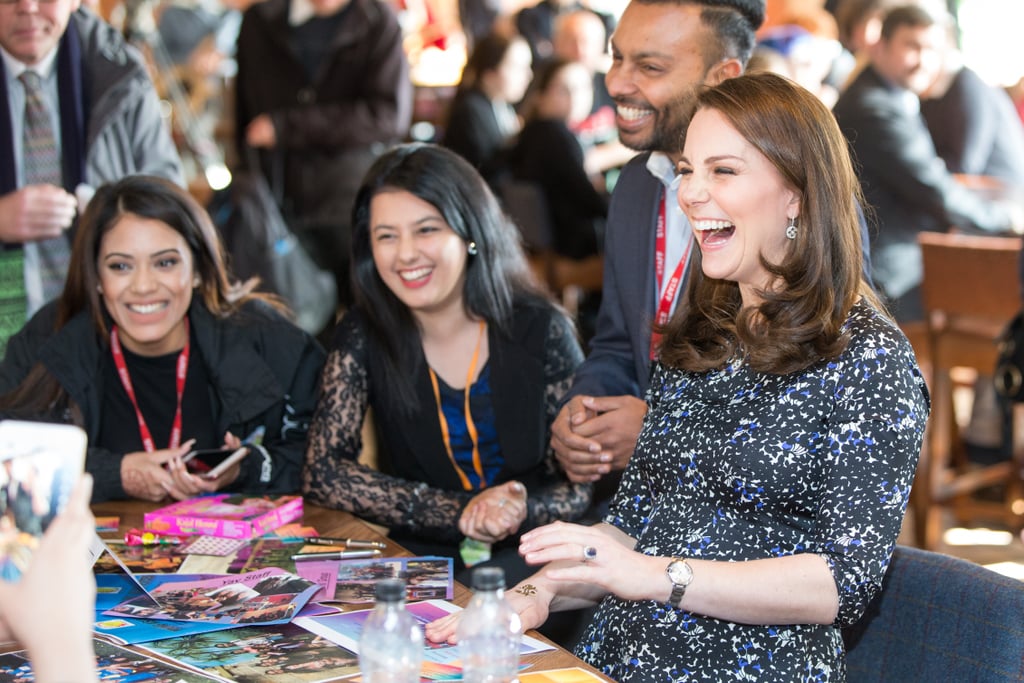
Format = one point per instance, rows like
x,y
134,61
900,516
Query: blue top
x,y
482,410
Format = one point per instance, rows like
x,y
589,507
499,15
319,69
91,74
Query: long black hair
x,y
497,275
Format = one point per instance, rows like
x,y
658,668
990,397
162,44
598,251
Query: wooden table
x,y
345,525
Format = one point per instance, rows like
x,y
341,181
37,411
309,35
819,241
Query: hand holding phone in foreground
x,y
58,580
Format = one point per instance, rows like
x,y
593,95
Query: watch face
x,y
680,572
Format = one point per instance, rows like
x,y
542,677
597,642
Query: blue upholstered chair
x,y
939,618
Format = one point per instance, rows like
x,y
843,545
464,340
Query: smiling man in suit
x,y
663,51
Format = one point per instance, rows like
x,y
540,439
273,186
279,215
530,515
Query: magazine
x,y
113,589
268,653
345,629
352,582
39,464
113,663
230,515
268,596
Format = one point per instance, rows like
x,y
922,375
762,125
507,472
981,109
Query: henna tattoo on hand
x,y
526,589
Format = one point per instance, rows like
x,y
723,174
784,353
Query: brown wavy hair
x,y
819,279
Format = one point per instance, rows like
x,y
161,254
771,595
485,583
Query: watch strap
x,y
679,589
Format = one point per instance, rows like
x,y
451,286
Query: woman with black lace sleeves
x,y
462,362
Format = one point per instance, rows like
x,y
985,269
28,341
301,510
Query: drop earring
x,y
471,248
791,229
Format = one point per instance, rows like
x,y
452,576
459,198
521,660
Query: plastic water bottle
x,y
391,645
489,632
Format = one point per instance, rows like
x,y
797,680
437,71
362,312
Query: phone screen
x,y
203,460
39,464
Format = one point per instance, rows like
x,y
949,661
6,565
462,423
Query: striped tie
x,y
43,165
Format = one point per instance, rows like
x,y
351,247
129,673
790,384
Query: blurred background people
x,y
547,154
322,90
904,180
806,58
153,350
482,119
974,125
581,36
536,23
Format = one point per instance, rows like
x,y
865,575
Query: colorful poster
x,y
282,654
352,582
268,596
112,664
345,629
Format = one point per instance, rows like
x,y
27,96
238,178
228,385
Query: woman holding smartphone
x,y
154,351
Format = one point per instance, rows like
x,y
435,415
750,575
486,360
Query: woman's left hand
x,y
599,555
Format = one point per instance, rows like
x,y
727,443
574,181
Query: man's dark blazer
x,y
904,181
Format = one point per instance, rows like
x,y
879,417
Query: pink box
x,y
228,515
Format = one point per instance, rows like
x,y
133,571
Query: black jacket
x,y
263,371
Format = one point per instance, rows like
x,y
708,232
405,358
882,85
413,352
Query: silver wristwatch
x,y
680,574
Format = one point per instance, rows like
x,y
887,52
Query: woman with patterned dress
x,y
462,362
785,417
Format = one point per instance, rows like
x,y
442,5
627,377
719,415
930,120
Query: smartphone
x,y
213,462
39,465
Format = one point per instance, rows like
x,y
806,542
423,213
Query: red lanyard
x,y
126,382
668,295
470,427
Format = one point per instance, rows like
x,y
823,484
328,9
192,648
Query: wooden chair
x,y
971,290
567,279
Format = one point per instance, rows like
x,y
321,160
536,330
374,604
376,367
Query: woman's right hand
x,y
145,475
529,599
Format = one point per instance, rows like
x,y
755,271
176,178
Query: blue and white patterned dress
x,y
736,465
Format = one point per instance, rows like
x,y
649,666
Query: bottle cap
x,y
488,579
389,590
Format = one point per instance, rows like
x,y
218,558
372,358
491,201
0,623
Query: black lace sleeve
x,y
333,477
562,500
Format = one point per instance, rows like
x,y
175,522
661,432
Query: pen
x,y
343,555
347,542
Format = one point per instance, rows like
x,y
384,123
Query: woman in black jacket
x,y
154,351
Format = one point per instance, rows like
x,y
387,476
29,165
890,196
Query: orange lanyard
x,y
470,427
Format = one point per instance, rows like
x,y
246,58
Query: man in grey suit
x,y
904,179
663,51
